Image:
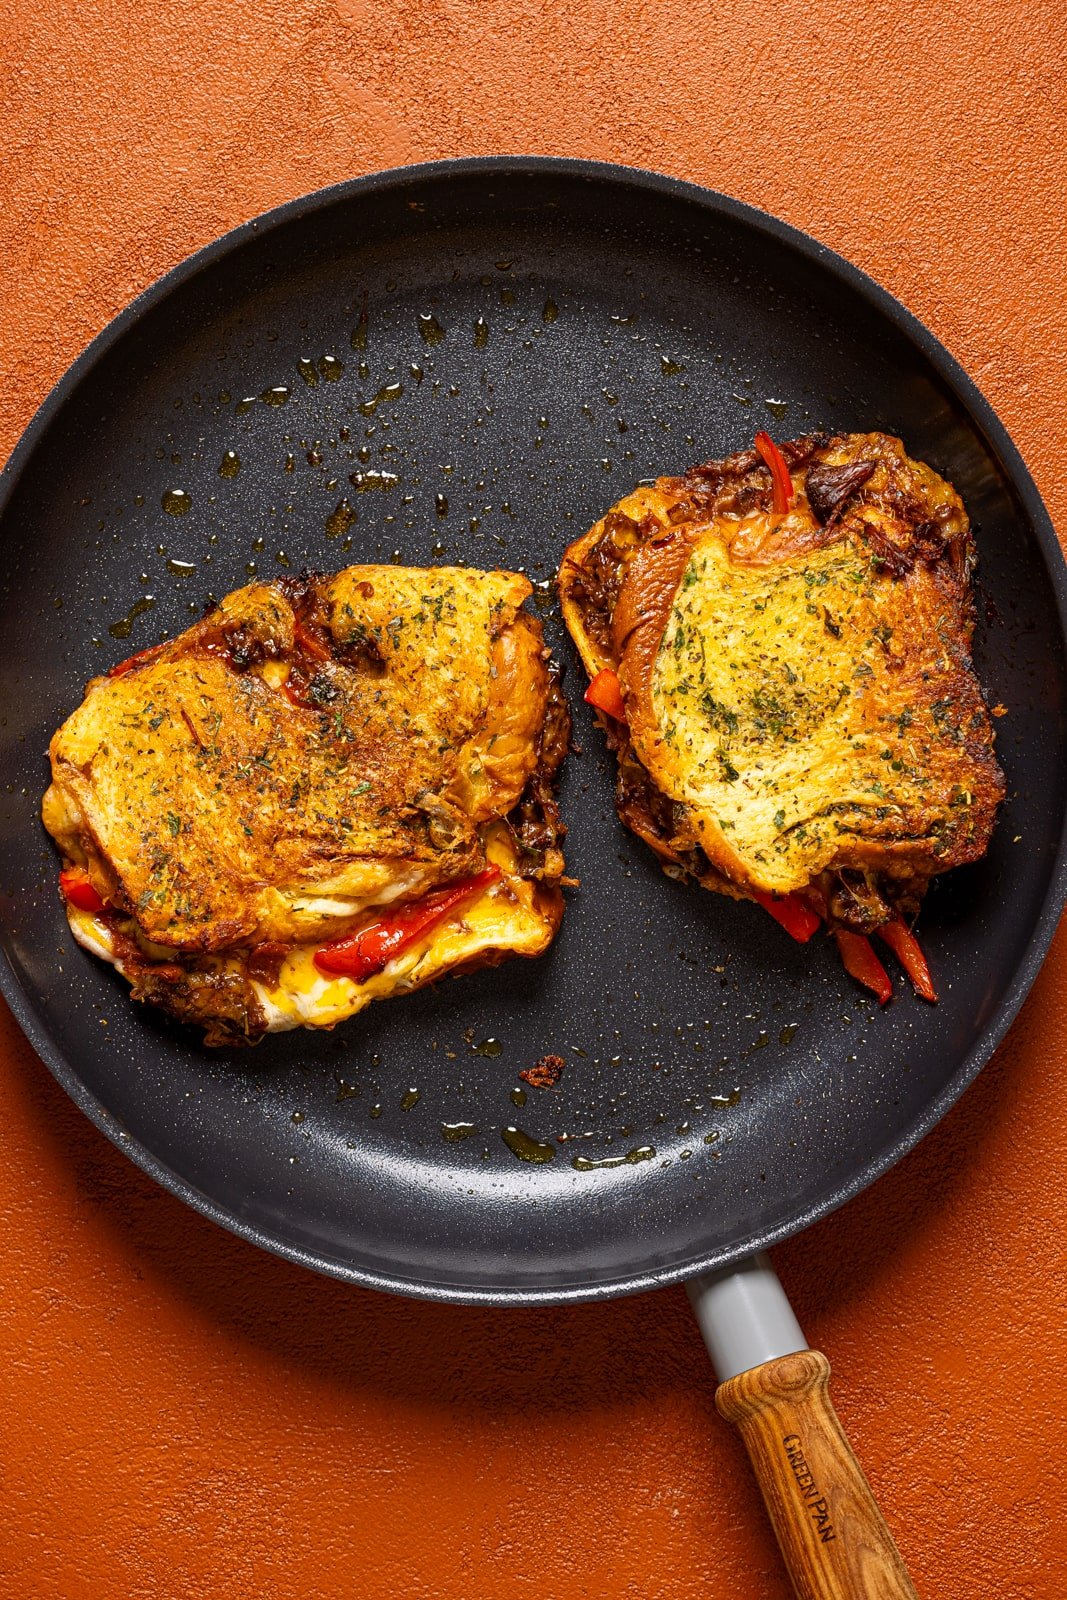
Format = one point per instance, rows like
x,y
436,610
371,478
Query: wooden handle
x,y
833,1537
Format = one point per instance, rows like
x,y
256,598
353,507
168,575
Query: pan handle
x,y
830,1531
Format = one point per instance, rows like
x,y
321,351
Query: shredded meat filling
x,y
604,569
223,1003
536,822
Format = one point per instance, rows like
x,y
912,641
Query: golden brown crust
x,y
217,812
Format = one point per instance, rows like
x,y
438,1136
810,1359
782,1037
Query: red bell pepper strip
x,y
905,947
860,961
605,693
368,951
78,889
309,643
122,667
775,461
797,918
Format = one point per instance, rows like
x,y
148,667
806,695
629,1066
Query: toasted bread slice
x,y
310,755
802,715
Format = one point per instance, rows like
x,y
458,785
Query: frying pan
x,y
517,341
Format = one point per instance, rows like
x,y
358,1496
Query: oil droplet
x,y
551,311
340,519
181,569
245,405
346,1091
306,368
440,504
455,1131
331,368
225,397
518,1096
177,502
124,627
372,479
777,408
277,396
502,266
297,1117
358,338
710,1138
390,391
670,367
526,1148
730,1099
430,328
282,559
138,499
487,1047
437,548
251,569
416,372
742,399
481,334
290,463
376,1111
409,1098
787,1033
258,542
632,1158
507,297
230,465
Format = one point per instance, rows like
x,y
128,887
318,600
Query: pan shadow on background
x,y
242,1355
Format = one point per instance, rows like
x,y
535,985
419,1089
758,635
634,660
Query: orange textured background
x,y
181,1416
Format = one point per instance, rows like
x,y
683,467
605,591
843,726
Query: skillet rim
x,y
964,390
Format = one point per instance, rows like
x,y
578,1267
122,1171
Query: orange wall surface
x,y
181,1416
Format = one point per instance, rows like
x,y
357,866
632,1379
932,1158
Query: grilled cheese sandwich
x,y
799,714
315,757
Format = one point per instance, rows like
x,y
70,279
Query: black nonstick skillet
x,y
500,348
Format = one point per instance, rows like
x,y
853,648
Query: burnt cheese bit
x,y
545,1073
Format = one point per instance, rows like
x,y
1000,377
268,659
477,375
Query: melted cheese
x,y
504,916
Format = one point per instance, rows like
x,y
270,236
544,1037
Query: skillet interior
x,y
632,325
